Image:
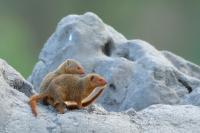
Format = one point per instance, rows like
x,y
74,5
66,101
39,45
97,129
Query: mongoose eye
x,y
78,68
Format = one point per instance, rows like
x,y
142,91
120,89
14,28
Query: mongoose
x,y
69,66
68,87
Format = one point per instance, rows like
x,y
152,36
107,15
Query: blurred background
x,y
172,25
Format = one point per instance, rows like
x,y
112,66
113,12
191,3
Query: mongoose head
x,y
71,66
96,80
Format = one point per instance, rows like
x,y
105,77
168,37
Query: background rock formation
x,y
137,73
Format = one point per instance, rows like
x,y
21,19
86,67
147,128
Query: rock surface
x,y
170,119
14,79
138,74
16,117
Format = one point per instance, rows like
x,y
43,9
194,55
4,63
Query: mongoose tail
x,y
33,102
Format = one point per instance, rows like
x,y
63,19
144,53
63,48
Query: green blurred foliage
x,y
167,24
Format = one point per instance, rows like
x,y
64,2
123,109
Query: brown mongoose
x,y
68,87
69,66
98,82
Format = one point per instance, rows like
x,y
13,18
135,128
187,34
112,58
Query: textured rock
x,y
16,117
15,79
138,74
170,119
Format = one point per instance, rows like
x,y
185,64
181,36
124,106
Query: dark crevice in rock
x,y
112,86
123,51
18,84
126,55
108,47
42,60
186,85
22,86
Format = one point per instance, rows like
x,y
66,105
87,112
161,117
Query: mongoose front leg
x,y
60,107
58,100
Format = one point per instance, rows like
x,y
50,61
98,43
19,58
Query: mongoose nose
x,y
82,73
105,82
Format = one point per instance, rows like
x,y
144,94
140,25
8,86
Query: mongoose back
x,y
69,66
68,87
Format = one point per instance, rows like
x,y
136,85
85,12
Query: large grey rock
x,y
138,74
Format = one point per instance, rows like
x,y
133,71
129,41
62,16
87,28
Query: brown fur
x,y
70,66
68,87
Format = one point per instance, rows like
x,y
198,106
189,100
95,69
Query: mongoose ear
x,y
68,62
91,78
